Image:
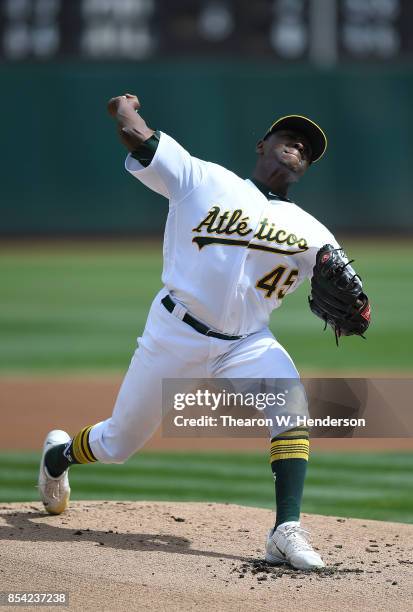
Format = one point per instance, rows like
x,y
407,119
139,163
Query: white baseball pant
x,y
170,348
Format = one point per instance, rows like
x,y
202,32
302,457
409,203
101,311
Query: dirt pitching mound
x,y
198,556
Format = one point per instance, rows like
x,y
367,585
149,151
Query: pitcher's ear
x,y
259,149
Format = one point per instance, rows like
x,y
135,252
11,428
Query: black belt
x,y
169,304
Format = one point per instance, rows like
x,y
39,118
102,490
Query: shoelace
x,y
298,540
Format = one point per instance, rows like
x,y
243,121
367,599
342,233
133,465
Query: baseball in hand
x,y
126,100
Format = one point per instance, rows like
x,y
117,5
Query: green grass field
x,y
81,306
375,485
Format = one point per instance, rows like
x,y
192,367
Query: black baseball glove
x,y
337,294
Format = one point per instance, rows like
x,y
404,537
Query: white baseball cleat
x,y
288,545
54,492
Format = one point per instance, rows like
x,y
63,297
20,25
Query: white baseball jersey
x,y
230,254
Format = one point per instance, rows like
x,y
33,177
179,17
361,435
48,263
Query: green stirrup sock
x,y
60,457
289,459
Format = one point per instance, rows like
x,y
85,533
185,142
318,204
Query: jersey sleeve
x,y
173,172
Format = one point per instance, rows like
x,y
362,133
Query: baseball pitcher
x,y
233,249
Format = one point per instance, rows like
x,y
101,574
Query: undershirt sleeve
x,y
146,152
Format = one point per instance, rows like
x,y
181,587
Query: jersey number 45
x,y
271,282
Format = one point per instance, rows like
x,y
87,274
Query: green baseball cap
x,y
309,128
